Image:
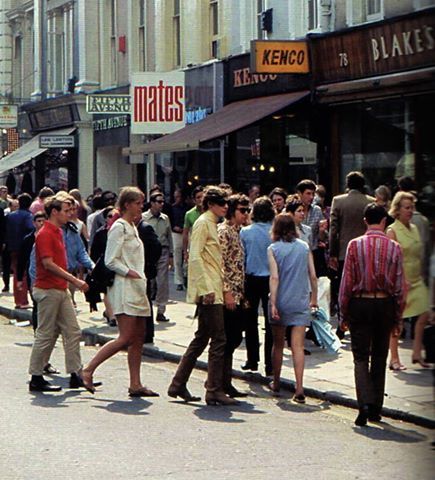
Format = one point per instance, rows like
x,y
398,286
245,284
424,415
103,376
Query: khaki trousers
x,y
55,313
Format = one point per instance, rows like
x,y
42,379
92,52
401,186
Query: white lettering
x,y
407,43
383,48
375,49
396,50
429,38
418,40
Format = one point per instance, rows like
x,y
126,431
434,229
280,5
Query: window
x,y
177,33
375,10
260,8
142,41
313,14
214,28
113,46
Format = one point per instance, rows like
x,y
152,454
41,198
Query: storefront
x,y
376,84
58,151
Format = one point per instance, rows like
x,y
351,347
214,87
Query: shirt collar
x,y
211,217
375,232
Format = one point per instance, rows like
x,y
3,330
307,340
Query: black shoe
x,y
5,289
112,322
340,334
374,413
39,384
180,288
361,419
76,381
269,371
183,393
234,393
310,335
250,366
161,318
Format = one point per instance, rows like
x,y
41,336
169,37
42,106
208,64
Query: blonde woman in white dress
x,y
125,256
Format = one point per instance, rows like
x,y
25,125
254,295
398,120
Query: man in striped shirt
x,y
372,295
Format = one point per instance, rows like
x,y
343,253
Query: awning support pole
x,y
222,160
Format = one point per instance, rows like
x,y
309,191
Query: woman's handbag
x,y
102,276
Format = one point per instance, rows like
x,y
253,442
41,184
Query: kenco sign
x,y
158,102
269,56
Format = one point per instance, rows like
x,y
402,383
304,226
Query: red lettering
x,y
169,100
179,96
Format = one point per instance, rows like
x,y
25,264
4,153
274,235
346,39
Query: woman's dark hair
x,y
278,191
262,210
284,228
106,211
355,181
196,190
233,203
293,203
213,195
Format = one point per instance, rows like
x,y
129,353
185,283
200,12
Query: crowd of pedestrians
x,y
232,252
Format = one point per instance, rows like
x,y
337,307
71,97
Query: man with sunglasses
x,y
205,288
162,226
233,269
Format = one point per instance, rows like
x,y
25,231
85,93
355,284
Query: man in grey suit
x,y
346,223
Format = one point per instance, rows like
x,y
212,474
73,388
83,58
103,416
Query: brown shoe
x,y
183,393
219,398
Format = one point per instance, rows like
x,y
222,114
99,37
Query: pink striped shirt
x,y
373,263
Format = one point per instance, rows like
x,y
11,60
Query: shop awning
x,y
29,150
230,118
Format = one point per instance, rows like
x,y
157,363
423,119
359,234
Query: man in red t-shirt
x,y
55,308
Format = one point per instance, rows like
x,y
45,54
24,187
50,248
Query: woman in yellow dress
x,y
417,298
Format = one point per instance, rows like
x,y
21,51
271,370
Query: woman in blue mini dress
x,y
293,292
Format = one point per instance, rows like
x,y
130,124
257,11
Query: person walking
x,y
371,301
233,268
55,308
128,294
293,291
162,226
205,288
255,240
346,223
178,211
417,297
190,218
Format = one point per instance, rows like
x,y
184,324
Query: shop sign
x,y
110,122
394,45
8,116
56,141
196,115
103,104
269,56
158,102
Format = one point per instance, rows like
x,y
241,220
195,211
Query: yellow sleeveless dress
x,y
417,299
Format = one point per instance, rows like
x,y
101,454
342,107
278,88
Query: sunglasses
x,y
221,202
244,210
109,216
159,201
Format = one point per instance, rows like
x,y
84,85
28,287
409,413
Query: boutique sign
x,y
158,102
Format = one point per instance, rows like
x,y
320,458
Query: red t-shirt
x,y
49,243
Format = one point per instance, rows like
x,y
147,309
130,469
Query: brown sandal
x,y
397,367
273,389
142,392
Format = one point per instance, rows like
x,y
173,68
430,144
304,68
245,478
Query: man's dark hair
x,y
213,195
45,192
24,201
234,201
262,210
196,190
278,191
406,184
305,185
98,202
109,198
155,196
39,214
374,214
355,181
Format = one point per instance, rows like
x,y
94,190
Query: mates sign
x,y
286,56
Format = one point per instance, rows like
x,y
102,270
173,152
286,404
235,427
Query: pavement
x,y
409,394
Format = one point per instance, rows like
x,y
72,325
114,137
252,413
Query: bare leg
x,y
278,334
417,345
395,362
126,326
297,346
135,353
108,307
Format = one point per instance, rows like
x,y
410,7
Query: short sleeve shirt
x,y
49,243
191,217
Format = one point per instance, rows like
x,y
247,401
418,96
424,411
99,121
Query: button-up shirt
x,y
255,240
312,220
162,227
233,259
373,263
205,260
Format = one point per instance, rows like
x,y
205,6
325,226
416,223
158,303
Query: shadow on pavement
x,y
134,406
53,400
383,431
225,414
289,406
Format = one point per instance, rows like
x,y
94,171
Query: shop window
x,y
214,28
113,43
142,33
313,14
261,6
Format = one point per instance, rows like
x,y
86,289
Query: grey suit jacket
x,y
347,221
